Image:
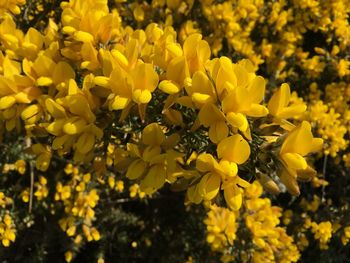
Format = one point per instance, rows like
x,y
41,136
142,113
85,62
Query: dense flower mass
x,y
109,108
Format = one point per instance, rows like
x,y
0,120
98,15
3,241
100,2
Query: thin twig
x,y
28,143
31,187
324,169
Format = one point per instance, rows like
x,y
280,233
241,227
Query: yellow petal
x,y
209,185
191,44
56,127
74,125
290,183
59,141
136,169
79,105
10,113
292,111
279,100
257,110
10,67
132,51
233,197
141,96
299,140
316,145
201,99
229,168
294,161
73,87
145,78
241,182
242,75
5,242
68,30
196,51
85,143
11,124
237,120
218,131
7,86
173,116
177,70
234,149
152,134
44,66
257,89
6,102
225,74
122,60
150,152
175,49
133,150
154,179
30,111
194,195
209,114
56,110
28,94
169,87
205,162
38,148
306,174
202,85
63,72
43,161
83,36
119,103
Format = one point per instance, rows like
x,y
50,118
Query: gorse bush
x,y
154,131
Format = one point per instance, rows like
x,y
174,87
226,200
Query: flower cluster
x,y
268,242
221,227
7,226
175,98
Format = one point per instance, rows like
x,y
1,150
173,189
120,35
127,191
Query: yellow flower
x,y
298,143
12,6
4,200
176,73
119,186
20,166
343,68
154,179
145,81
43,156
323,232
197,52
138,12
68,256
130,79
202,90
232,150
245,100
7,231
221,227
153,135
238,88
278,104
154,161
25,196
135,190
210,116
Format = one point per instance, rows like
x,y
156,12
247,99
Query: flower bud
x,y
268,184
